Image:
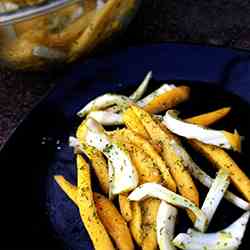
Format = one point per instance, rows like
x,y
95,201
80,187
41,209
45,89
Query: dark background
x,y
214,22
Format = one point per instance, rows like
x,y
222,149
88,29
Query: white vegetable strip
x,y
106,118
162,193
100,4
215,195
48,53
229,238
74,142
107,100
237,201
78,147
103,102
76,14
8,7
218,138
191,165
125,177
204,178
139,92
165,225
164,88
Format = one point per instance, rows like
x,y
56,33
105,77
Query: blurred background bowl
x,y
38,34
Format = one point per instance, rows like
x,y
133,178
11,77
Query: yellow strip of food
x,y
135,224
98,162
181,176
210,118
88,213
168,100
125,207
221,159
109,215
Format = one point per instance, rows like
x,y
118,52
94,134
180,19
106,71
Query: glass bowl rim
x,y
27,13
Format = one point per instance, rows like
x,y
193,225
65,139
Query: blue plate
x,y
35,213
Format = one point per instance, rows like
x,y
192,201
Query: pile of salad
x,y
142,165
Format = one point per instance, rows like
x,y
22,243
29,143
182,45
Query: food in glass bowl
x,y
34,37
12,5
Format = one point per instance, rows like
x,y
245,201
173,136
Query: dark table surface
x,y
220,23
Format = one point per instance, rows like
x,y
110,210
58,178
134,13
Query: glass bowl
x,y
36,34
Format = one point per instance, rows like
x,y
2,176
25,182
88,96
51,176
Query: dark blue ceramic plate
x,y
35,213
